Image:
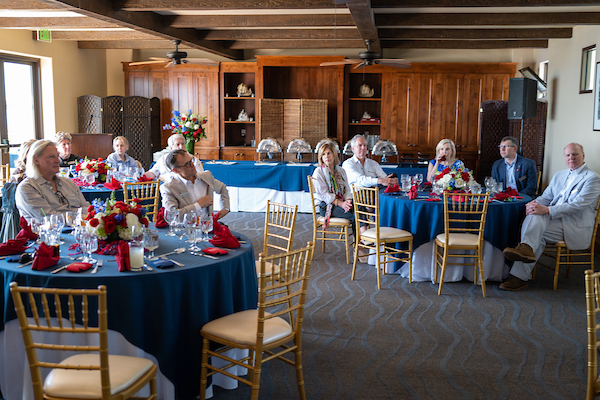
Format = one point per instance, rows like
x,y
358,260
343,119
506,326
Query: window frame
x,y
586,78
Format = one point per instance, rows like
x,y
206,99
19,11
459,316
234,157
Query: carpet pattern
x,y
405,341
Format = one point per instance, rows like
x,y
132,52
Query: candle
x,y
136,256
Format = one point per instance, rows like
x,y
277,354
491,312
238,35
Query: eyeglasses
x,y
61,198
504,146
186,165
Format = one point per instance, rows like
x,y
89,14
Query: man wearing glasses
x,y
160,168
190,190
514,170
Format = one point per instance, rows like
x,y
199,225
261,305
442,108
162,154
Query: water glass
x,y
171,216
180,230
136,255
91,245
206,224
419,179
151,243
89,179
36,226
73,171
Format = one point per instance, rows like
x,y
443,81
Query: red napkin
x,y
433,199
413,192
79,266
44,257
213,251
122,256
223,237
392,189
113,184
26,231
144,178
13,246
160,219
506,194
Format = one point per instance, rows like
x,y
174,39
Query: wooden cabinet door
x,y
397,113
238,153
473,93
146,84
496,87
449,99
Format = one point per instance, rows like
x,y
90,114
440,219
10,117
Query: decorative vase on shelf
x,y
189,146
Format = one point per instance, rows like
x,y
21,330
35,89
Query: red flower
x,y
446,171
465,175
94,222
92,169
144,222
136,200
90,208
195,135
110,227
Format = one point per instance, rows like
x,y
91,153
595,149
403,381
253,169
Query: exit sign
x,y
44,35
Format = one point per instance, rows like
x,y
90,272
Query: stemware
x,y
91,245
80,237
89,179
419,179
180,231
206,224
73,171
151,243
405,182
58,223
36,227
191,222
171,216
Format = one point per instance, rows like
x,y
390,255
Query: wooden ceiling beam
x,y
481,3
146,22
25,5
542,33
298,44
267,21
129,44
169,5
363,16
465,44
301,34
101,35
55,23
416,19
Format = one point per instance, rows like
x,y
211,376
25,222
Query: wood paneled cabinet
x,y
234,132
240,153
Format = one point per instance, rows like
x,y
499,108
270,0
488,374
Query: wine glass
x,y
419,179
70,219
180,231
151,243
405,182
57,221
191,222
89,179
73,171
91,245
36,227
206,224
171,216
80,233
489,183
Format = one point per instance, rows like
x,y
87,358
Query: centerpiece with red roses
x,y
190,126
87,167
113,220
455,178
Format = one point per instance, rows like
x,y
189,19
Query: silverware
x,y
172,252
98,264
173,261
27,263
59,269
149,268
204,255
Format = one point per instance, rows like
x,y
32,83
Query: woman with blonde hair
x,y
18,173
120,158
445,157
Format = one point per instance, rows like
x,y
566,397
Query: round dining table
x,y
425,220
160,312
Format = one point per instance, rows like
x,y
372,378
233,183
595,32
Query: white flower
x,y
459,183
196,127
188,124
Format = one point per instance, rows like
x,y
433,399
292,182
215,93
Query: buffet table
x,y
251,184
159,312
425,220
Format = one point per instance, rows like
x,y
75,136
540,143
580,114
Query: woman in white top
x,y
120,158
331,185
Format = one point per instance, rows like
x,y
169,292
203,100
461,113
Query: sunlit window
x,y
588,69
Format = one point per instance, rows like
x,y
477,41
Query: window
x,y
588,68
543,71
20,101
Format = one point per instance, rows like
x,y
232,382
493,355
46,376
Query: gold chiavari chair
x,y
147,193
269,332
464,222
592,302
92,374
4,174
280,222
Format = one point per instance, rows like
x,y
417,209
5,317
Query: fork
x,y
98,264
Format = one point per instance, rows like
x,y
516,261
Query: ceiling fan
x,y
176,58
369,58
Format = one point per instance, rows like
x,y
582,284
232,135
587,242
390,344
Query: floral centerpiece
x,y
113,220
87,167
190,126
453,178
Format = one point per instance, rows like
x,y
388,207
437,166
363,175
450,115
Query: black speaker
x,y
522,93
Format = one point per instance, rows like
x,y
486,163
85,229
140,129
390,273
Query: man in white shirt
x,y
189,189
160,170
363,171
565,211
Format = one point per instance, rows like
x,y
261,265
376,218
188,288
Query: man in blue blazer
x,y
513,170
565,211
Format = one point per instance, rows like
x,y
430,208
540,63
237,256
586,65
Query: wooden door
x,y
450,101
473,85
397,114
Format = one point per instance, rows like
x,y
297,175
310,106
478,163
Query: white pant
x,y
537,230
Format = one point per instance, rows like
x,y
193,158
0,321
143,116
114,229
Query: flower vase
x,y
189,146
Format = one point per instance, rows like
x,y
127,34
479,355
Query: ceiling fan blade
x,y
359,65
394,62
205,61
170,64
147,62
160,59
341,62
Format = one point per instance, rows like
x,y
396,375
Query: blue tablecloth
x,y
278,176
161,311
425,219
99,192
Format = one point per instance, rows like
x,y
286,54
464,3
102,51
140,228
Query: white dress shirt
x,y
160,169
363,175
510,173
195,191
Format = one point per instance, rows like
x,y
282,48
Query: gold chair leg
x,y
205,344
557,266
347,248
355,260
299,375
443,271
410,261
378,253
480,266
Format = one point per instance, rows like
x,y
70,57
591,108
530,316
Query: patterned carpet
x,y
405,341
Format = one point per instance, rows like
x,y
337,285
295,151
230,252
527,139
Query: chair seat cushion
x,y
85,384
240,328
334,221
459,239
268,268
385,233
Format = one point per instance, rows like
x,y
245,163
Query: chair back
x,y
366,207
593,244
67,312
592,302
311,189
147,193
280,222
283,292
4,174
465,213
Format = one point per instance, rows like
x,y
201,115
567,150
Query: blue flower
x,y
119,218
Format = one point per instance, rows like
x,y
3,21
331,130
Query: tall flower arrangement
x,y
112,220
87,167
452,178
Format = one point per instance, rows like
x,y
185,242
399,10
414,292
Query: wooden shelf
x,y
239,98
239,122
364,99
364,123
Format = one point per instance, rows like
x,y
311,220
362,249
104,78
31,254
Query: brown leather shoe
x,y
523,252
513,284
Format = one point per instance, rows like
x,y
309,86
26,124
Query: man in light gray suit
x,y
565,211
190,189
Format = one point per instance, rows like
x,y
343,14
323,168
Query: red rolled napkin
x,y
506,194
122,256
222,236
44,257
25,231
113,184
144,178
392,189
160,219
433,199
213,251
79,266
13,246
413,192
